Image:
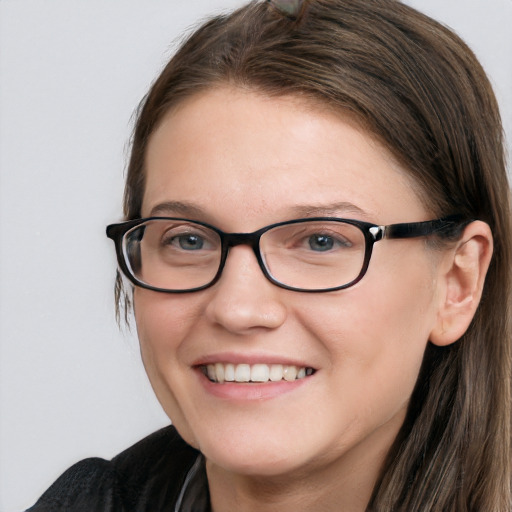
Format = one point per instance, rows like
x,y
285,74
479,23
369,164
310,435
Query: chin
x,y
246,462
249,451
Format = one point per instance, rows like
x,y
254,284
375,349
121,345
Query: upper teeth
x,y
228,372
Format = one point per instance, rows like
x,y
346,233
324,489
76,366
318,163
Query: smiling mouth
x,y
260,373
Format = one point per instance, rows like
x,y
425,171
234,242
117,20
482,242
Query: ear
x,y
461,281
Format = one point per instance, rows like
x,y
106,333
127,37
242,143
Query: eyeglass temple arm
x,y
447,227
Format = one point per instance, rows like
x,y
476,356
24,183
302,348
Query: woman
x,y
317,251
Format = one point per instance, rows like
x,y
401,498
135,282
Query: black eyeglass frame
x,y
446,227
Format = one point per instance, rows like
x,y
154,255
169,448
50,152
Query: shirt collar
x,y
194,495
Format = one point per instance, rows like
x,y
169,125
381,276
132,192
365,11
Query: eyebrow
x,y
176,208
329,210
297,211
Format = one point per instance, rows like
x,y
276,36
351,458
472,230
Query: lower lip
x,y
249,391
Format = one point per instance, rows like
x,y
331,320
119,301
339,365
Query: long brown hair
x,y
416,86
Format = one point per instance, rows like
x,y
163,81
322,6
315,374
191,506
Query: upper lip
x,y
240,358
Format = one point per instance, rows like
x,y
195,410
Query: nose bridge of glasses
x,y
230,240
234,239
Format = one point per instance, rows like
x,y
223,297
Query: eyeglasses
x,y
321,254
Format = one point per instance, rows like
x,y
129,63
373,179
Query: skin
x,y
239,160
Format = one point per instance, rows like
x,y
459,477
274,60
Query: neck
x,y
230,492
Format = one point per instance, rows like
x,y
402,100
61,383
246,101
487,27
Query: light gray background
x,y
71,73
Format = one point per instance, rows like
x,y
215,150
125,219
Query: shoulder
x,y
88,485
143,477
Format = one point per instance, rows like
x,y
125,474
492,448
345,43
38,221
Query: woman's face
x,y
240,161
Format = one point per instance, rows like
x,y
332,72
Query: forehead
x,y
236,152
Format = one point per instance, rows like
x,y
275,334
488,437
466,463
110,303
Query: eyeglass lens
x,y
181,255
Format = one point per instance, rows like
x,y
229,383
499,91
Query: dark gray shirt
x,y
160,473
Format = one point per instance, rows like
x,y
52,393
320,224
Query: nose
x,y
243,299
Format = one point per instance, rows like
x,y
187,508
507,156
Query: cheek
x,y
163,322
162,319
400,294
376,332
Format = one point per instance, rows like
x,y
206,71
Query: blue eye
x,y
321,243
188,242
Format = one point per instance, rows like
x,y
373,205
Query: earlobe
x,y
460,286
